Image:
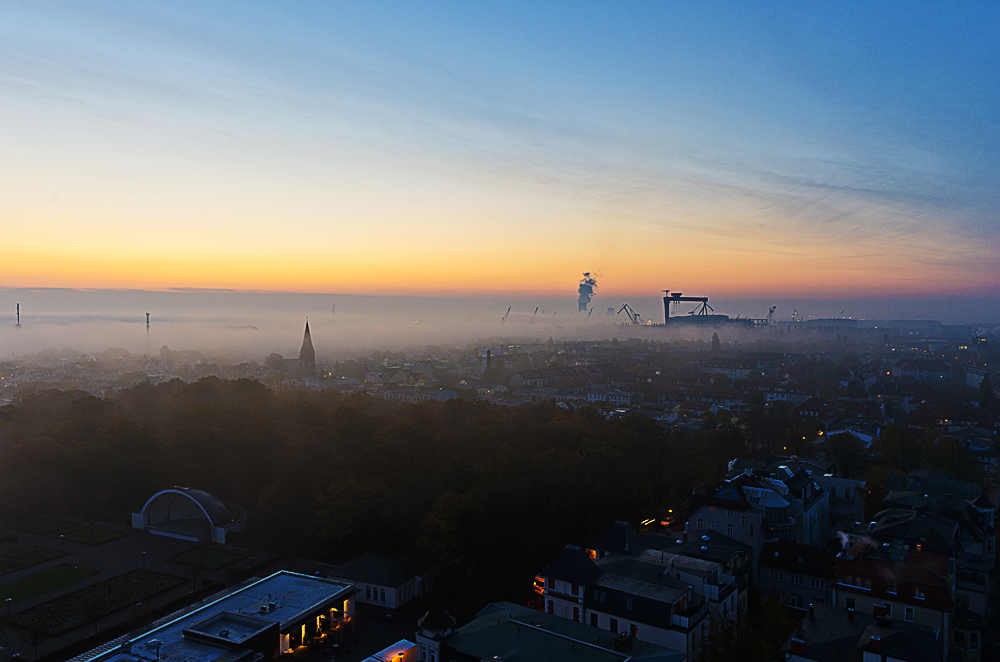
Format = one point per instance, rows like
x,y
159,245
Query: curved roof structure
x,y
217,512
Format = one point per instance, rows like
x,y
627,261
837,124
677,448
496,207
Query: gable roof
x,y
797,558
573,565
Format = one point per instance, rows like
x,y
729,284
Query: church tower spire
x,y
307,355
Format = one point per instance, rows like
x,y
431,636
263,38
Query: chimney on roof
x,y
798,646
876,642
812,611
850,614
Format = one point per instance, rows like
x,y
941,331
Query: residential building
x,y
833,634
503,631
639,596
382,580
801,572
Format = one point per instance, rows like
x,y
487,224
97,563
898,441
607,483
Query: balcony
x,y
690,617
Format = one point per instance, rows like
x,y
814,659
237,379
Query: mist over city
x,y
523,332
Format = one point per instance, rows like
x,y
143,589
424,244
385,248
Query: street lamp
x,y
61,538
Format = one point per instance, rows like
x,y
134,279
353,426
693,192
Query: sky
x,y
747,151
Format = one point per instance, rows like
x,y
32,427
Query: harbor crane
x,y
676,298
533,315
633,317
504,320
770,315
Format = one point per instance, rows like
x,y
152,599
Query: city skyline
x,y
456,151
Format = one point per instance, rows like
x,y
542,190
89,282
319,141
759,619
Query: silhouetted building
x,y
307,355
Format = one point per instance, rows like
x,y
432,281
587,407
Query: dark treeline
x,y
481,491
473,487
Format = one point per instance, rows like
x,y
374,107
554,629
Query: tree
x,y
895,448
986,394
721,382
32,638
728,638
847,452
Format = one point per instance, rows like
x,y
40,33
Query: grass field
x,y
206,557
42,526
23,555
79,607
94,535
40,582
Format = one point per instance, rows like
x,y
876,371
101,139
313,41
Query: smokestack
x,y
586,291
487,359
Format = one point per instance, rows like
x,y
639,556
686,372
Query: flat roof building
x,y
257,620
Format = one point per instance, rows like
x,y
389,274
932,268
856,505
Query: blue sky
x,y
438,148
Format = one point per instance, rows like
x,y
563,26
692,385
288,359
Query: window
x,y
701,523
729,512
796,600
628,603
549,608
382,597
729,529
775,574
890,587
432,655
973,640
797,579
744,524
423,653
593,620
368,592
847,493
751,530
909,614
614,625
634,629
711,525
576,614
711,510
919,593
818,584
868,583
888,609
575,590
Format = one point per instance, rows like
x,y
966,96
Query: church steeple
x,y
307,355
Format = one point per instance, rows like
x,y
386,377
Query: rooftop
x,y
284,598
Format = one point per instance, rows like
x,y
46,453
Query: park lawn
x,y
72,610
46,580
42,526
23,555
206,557
94,535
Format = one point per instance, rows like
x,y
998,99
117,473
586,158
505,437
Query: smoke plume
x,y
586,291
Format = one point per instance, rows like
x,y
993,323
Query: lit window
x,y
890,587
918,593
711,510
